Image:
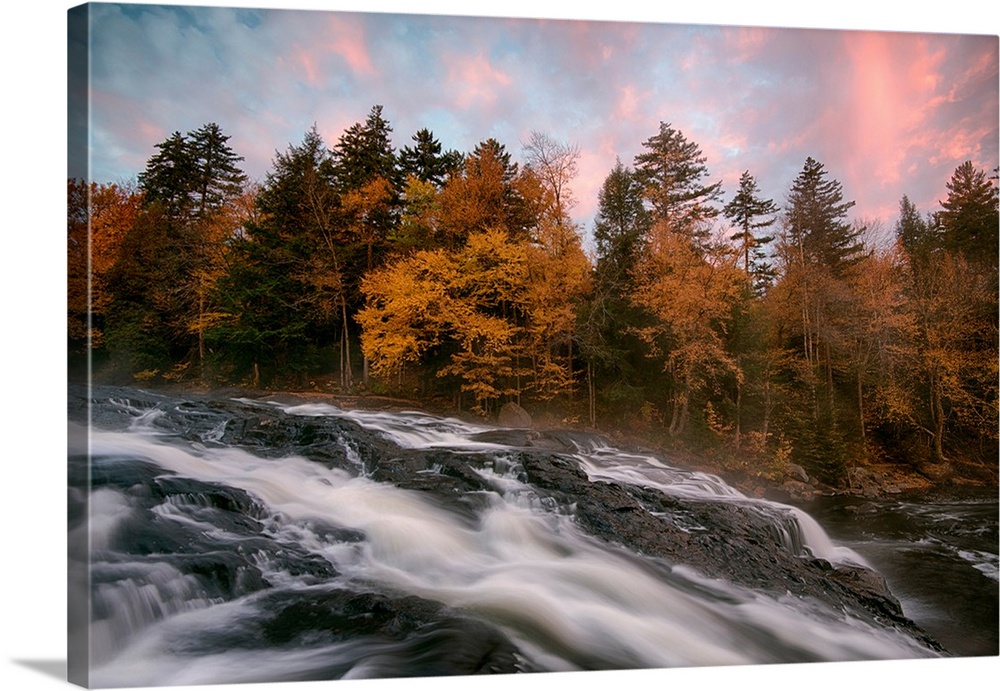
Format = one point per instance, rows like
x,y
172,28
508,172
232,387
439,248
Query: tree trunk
x,y
685,404
345,350
678,417
861,408
739,409
828,356
591,408
572,388
201,334
768,407
938,420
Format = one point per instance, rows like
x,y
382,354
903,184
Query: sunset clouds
x,y
887,113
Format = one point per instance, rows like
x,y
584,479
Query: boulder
x,y
514,416
798,472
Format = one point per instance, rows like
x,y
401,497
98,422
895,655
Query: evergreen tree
x,y
425,160
671,172
915,233
169,177
192,175
364,152
751,214
160,303
815,220
609,344
489,152
217,177
968,219
370,185
285,292
620,228
818,249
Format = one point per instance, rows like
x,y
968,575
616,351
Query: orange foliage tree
x,y
690,292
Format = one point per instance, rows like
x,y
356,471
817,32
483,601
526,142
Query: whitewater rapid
x,y
519,565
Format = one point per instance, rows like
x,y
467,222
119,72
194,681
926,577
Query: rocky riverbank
x,y
783,481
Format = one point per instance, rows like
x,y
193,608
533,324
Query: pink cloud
x,y
150,131
628,102
880,116
592,168
475,80
882,104
307,61
347,40
746,42
892,113
341,38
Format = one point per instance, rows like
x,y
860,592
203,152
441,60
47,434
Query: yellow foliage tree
x,y
408,311
689,292
494,306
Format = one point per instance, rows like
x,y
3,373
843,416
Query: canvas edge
x,y
77,562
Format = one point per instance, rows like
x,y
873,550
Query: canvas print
x,y
407,345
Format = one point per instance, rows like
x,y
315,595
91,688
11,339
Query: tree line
x,y
766,332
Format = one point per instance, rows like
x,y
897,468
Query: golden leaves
x,y
498,309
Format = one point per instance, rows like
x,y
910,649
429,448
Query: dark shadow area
x,y
50,668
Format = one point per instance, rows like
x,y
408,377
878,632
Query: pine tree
x,y
968,219
672,172
169,177
620,227
370,185
217,177
751,214
425,160
181,237
818,249
914,233
285,290
815,221
364,152
607,320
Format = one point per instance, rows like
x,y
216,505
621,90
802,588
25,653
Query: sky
x,y
887,112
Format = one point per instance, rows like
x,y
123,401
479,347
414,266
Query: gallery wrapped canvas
x,y
426,345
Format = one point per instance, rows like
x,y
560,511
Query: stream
x,y
225,540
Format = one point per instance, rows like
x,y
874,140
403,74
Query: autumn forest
x,y
763,331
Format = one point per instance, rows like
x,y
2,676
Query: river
x,y
938,553
227,540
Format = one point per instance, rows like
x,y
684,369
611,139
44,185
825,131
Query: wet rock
x,y
421,634
865,482
867,508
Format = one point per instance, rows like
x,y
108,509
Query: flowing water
x,y
217,562
938,554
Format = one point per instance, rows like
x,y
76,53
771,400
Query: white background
x,y
32,371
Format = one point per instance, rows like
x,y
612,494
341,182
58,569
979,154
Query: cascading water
x,y
233,541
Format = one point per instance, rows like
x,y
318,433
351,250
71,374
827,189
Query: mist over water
x,y
212,563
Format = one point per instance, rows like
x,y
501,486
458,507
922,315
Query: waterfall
x,y
216,562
